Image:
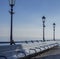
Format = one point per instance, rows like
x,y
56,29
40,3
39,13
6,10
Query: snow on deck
x,y
25,49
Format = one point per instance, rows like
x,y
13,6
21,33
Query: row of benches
x,y
25,49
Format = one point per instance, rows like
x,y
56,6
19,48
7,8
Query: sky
x,y
27,21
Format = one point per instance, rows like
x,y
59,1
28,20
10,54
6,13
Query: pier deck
x,y
53,53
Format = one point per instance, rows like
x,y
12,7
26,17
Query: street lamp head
x,y
43,18
54,24
11,2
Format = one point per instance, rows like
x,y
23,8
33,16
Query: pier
x,y
30,50
53,53
33,32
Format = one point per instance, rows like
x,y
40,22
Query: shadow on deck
x,y
50,57
51,54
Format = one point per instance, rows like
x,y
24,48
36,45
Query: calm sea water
x,y
17,39
20,39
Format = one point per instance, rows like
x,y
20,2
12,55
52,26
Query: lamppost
x,y
54,31
43,20
11,3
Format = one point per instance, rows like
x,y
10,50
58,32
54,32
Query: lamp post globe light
x,y
54,31
43,20
11,3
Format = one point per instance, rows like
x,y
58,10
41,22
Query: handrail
x,y
25,41
15,42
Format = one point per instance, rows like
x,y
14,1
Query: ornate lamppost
x,y
43,20
11,3
54,31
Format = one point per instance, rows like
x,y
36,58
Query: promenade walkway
x,y
28,50
53,53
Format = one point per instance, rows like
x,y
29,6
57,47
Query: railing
x,y
32,41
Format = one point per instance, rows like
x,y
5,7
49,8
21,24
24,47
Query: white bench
x,y
21,50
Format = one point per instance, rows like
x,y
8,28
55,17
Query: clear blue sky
x,y
27,18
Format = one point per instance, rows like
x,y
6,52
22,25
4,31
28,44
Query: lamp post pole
x,y
54,31
12,3
43,20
